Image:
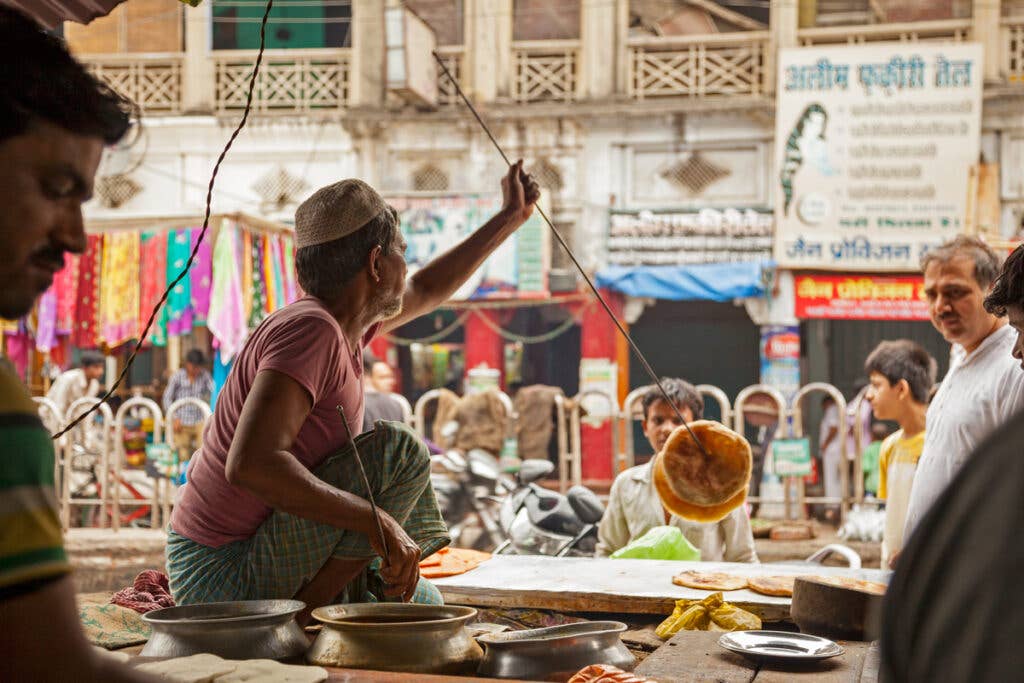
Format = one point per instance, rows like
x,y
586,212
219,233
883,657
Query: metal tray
x,y
780,645
246,629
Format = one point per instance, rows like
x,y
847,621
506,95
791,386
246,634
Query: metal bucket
x,y
246,629
410,638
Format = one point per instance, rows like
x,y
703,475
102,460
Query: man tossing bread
x,y
713,493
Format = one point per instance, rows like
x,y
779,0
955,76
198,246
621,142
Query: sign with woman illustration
x,y
873,148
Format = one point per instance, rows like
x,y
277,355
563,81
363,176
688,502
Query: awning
x,y
706,281
50,13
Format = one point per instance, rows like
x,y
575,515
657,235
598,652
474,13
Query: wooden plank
x,y
872,663
570,584
846,668
692,656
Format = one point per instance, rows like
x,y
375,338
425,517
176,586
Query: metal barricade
x,y
90,439
574,461
166,486
740,426
407,416
121,457
419,413
53,421
797,431
721,398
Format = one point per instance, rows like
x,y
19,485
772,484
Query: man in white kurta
x,y
984,386
634,507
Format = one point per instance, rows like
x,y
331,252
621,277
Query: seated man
x,y
275,506
634,507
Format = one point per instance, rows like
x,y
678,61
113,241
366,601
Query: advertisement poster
x,y
861,297
433,225
655,238
780,358
791,457
873,152
602,376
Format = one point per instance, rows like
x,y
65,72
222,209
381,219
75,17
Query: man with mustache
x,y
275,506
54,121
984,386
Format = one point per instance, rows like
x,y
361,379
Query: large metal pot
x,y
429,639
554,653
246,629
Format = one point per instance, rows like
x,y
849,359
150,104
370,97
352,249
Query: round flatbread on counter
x,y
699,487
872,587
779,586
710,581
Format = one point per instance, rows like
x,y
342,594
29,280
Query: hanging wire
x,y
572,257
199,240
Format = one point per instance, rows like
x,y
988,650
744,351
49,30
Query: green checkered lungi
x,y
287,551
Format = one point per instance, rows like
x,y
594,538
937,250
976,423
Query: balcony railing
x,y
947,30
290,81
697,66
453,57
545,70
152,81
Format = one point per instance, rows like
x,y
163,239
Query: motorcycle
x,y
468,489
537,521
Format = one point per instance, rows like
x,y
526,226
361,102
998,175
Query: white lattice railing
x,y
697,66
946,30
289,81
545,70
152,81
1013,49
452,56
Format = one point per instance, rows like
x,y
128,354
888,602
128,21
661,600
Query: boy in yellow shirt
x,y
902,374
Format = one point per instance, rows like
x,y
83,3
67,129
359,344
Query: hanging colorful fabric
x,y
84,334
258,310
119,288
201,279
291,285
152,281
247,272
179,301
65,284
46,321
278,271
227,316
267,264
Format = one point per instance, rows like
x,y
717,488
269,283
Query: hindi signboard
x,y
873,151
655,238
861,297
517,269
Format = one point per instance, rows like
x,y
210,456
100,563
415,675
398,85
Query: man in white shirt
x,y
78,383
984,386
634,507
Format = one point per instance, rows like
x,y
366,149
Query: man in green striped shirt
x,y
54,121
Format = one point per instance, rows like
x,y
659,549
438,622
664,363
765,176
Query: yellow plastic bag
x,y
709,614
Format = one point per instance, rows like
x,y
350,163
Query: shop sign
x,y
433,225
791,457
656,238
874,147
599,387
856,297
780,358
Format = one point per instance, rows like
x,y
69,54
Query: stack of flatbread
x,y
778,586
703,484
212,669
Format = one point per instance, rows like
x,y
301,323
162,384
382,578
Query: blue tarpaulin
x,y
705,281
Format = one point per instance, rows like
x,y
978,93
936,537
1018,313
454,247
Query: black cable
x,y
199,240
593,288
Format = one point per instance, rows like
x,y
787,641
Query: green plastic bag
x,y
660,543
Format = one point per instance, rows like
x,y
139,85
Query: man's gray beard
x,y
389,309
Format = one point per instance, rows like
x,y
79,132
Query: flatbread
x,y
195,669
269,671
710,581
872,587
781,586
703,487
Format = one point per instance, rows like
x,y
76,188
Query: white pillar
x,y
488,62
198,82
783,23
366,75
602,49
987,31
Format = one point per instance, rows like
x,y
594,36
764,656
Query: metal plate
x,y
779,645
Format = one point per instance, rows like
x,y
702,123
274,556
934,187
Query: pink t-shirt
x,y
303,341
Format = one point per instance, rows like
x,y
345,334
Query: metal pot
x,y
554,653
410,638
247,629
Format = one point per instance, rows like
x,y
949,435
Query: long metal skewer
x,y
593,288
369,489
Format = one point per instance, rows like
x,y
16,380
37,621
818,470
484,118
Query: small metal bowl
x,y
246,629
554,653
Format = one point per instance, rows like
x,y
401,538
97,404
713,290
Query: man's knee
x,y
404,442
